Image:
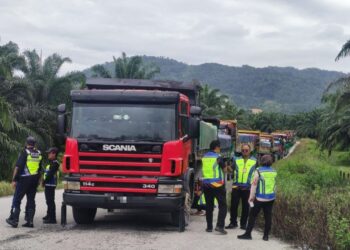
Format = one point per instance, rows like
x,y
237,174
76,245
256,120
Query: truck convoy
x,y
138,144
131,144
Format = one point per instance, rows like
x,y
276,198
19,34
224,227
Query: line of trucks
x,y
138,144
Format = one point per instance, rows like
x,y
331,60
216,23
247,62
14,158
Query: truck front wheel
x,y
84,215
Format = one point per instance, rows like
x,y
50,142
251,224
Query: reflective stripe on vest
x,y
53,181
33,163
202,202
212,173
244,172
267,183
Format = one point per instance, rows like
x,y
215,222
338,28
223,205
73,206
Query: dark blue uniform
x,y
50,182
27,180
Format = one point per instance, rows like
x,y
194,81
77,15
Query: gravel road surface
x,y
120,230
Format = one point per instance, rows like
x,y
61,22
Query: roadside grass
x,y
5,189
313,201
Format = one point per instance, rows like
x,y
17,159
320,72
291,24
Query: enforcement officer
x,y
50,182
213,168
262,196
243,168
26,177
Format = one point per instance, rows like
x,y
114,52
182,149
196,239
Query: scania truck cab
x,y
130,144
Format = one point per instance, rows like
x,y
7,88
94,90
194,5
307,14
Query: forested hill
x,y
284,89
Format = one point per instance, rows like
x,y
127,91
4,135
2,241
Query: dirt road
x,y
120,230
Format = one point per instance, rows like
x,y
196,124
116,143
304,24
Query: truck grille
x,y
123,173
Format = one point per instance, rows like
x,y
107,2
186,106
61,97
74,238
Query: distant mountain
x,y
284,89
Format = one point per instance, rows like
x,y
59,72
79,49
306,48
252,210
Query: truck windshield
x,y
124,122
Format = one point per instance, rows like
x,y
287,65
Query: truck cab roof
x,y
125,96
191,90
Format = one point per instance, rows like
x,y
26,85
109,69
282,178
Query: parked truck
x,y
249,137
130,144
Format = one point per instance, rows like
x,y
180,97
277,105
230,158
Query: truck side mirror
x,y
195,111
194,128
61,122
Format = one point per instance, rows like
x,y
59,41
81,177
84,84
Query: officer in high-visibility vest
x,y
262,196
243,168
213,180
50,182
26,178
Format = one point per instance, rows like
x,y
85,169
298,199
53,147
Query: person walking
x,y
50,182
243,168
26,178
213,180
262,196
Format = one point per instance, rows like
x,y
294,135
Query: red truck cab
x,y
131,144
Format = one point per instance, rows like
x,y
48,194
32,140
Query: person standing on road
x,y
213,180
50,182
262,196
26,178
243,168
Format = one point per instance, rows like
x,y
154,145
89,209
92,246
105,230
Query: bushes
x,y
5,188
313,203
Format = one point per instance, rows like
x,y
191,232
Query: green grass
x,y
313,201
6,188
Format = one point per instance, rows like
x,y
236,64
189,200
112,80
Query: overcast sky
x,y
299,33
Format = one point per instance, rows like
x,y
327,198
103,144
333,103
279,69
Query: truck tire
x,y
181,218
84,215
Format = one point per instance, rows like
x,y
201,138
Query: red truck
x,y
130,144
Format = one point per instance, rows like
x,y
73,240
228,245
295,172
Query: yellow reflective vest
x,y
212,172
33,162
244,172
267,183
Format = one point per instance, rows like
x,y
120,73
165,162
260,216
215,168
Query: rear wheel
x,y
84,215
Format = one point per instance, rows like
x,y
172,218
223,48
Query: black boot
x,y
231,226
14,216
245,236
49,220
11,214
221,230
30,217
266,237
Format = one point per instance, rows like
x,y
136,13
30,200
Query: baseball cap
x,y
31,141
52,150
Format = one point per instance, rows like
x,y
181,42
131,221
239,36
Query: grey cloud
x,y
259,33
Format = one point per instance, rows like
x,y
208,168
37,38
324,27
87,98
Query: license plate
x,y
123,199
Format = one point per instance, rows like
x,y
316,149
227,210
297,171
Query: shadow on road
x,y
130,221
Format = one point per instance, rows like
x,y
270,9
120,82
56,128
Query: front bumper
x,y
115,201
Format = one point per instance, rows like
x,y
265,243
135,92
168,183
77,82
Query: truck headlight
x,y
169,189
71,185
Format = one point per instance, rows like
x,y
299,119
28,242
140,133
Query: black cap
x,y
31,141
52,150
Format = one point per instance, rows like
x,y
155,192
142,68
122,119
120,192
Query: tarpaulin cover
x,y
207,133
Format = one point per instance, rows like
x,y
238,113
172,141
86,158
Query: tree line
x,y
31,88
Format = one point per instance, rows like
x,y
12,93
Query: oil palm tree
x,y
47,85
212,101
335,130
133,68
10,60
127,68
345,51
